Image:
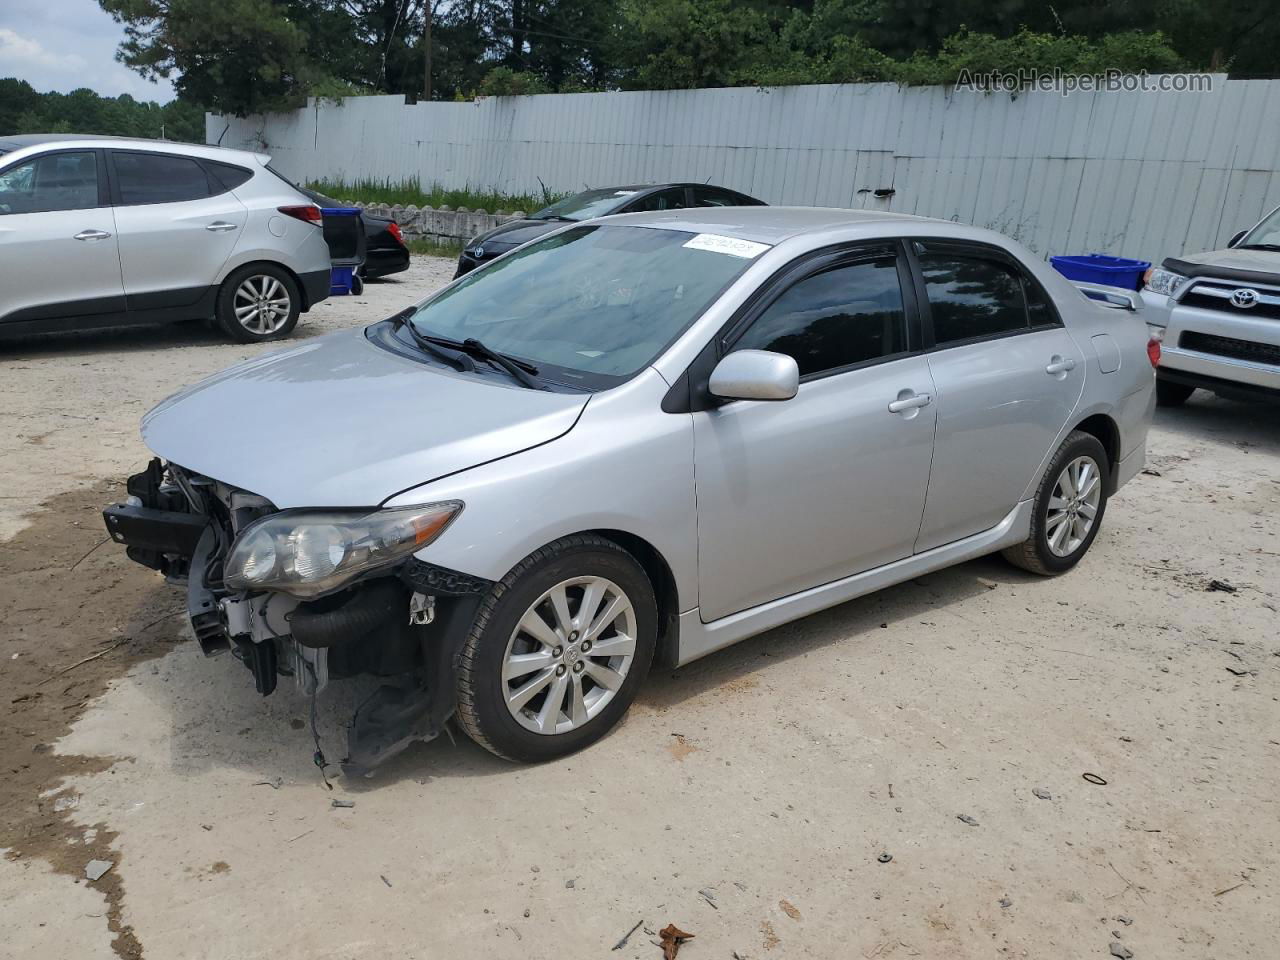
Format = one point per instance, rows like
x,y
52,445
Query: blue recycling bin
x,y
1100,268
344,233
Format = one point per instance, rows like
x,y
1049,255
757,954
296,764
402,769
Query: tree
x,y
236,56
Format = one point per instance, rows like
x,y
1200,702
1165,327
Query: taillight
x,y
306,212
393,228
1153,351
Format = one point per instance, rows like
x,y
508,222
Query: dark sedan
x,y
385,251
597,203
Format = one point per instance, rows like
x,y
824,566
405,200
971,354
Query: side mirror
x,y
1237,238
755,375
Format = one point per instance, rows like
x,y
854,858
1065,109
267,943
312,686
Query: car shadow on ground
x,y
90,343
216,718
1208,417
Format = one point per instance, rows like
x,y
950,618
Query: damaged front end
x,y
312,594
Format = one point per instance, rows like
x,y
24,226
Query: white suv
x,y
105,231
1219,314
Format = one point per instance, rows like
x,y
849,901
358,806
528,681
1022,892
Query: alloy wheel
x,y
569,655
262,304
1073,507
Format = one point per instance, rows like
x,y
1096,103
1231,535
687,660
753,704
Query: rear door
x,y
58,248
1008,376
178,224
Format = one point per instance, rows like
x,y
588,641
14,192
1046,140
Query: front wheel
x,y
259,302
1068,508
558,650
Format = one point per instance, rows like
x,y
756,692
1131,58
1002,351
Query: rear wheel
x,y
1068,508
259,302
558,650
1170,394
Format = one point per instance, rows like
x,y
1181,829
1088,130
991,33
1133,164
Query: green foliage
x,y
24,110
405,192
247,56
505,82
433,248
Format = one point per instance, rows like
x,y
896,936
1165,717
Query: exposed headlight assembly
x,y
1164,281
310,552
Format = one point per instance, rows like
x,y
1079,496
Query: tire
x,y
268,288
532,730
357,284
1170,394
1050,550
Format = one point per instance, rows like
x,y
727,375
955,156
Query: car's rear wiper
x,y
459,360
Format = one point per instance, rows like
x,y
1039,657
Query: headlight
x,y
310,552
1164,281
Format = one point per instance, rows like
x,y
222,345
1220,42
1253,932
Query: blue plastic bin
x,y
1099,268
344,232
342,281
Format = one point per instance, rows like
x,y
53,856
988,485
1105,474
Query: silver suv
x,y
1219,316
104,231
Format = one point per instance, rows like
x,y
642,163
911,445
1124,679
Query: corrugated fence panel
x,y
1134,174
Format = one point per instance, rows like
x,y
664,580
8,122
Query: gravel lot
x,y
747,798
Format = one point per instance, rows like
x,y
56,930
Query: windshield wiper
x,y
556,216
520,370
458,360
1258,246
525,372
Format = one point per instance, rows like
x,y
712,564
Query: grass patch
x,y
405,192
432,248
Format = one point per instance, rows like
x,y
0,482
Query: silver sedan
x,y
637,440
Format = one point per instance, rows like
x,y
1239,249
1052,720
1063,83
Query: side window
x,y
970,297
841,316
662,200
708,197
158,178
1039,309
226,176
59,181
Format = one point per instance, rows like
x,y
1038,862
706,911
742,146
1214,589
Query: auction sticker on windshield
x,y
747,249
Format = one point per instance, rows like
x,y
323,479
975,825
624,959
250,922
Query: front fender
x,y
625,465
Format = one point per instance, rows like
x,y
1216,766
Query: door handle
x,y
220,226
911,401
1059,365
92,235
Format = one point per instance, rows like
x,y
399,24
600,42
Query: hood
x,y
515,232
340,422
1256,266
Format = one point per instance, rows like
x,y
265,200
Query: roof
x,y
769,225
23,140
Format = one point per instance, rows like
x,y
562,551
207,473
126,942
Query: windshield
x,y
590,305
1267,233
585,205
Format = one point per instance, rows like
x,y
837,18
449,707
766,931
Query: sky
x,y
64,44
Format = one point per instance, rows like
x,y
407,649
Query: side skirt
x,y
697,639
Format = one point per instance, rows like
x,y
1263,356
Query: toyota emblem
x,y
1244,298
479,253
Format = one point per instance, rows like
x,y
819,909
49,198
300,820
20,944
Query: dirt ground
x,y
749,798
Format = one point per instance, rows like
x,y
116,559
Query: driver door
x,y
58,239
794,494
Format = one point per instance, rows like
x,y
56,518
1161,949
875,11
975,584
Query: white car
x,y
104,231
1218,314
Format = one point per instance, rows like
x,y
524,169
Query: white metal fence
x,y
1133,174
